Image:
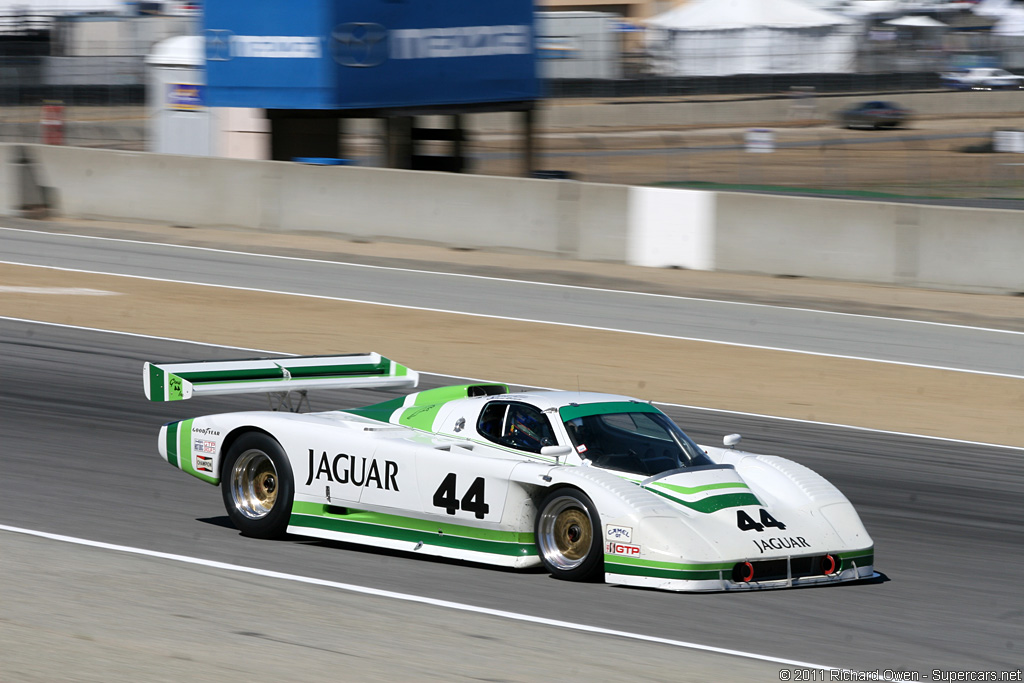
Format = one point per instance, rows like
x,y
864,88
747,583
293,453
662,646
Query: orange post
x,y
51,122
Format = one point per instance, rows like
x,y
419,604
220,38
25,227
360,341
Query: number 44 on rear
x,y
591,486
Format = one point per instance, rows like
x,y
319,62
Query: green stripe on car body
x,y
610,407
171,442
678,566
613,565
443,534
700,489
439,395
184,446
278,372
417,410
381,412
186,455
178,440
420,417
859,557
713,503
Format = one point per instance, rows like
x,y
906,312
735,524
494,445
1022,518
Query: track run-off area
x,y
903,412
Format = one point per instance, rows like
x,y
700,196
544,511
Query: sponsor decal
x,y
185,97
276,47
367,44
618,533
204,446
204,463
205,431
348,469
781,543
613,548
223,45
582,448
557,47
175,388
460,41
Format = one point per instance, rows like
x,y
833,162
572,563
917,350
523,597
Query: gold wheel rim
x,y
565,533
254,484
573,534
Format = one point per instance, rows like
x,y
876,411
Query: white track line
x,y
425,309
485,381
502,279
407,597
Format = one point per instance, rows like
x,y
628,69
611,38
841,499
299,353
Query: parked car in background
x,y
981,79
874,114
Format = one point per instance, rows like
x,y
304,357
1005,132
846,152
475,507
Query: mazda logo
x,y
359,44
218,44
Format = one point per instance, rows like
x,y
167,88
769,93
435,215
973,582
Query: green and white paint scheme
x,y
415,473
181,381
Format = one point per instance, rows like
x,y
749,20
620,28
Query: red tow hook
x,y
743,572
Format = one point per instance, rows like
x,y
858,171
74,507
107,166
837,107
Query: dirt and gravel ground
x,y
929,157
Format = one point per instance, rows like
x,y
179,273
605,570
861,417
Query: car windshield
x,y
630,437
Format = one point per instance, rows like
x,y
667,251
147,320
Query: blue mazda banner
x,y
361,54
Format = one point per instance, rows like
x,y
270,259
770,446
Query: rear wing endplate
x,y
180,381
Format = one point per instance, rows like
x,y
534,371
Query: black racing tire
x,y
257,486
568,535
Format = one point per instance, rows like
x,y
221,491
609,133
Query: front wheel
x,y
567,535
257,486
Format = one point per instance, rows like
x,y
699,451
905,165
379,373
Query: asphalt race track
x,y
822,332
79,458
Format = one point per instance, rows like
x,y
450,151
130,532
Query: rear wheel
x,y
567,535
257,486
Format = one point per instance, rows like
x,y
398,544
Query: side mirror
x,y
731,440
556,451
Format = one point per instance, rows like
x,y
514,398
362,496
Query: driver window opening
x,y
516,425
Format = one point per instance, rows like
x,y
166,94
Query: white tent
x,y
993,8
869,8
726,37
1011,23
916,22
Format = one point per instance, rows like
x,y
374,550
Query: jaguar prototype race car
x,y
588,485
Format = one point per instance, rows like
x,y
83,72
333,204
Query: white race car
x,y
586,484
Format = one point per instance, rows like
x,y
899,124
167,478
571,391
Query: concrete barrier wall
x,y
959,248
179,190
483,212
577,220
965,248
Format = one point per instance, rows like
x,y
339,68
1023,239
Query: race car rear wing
x,y
180,381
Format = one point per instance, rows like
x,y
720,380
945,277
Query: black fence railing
x,y
768,84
